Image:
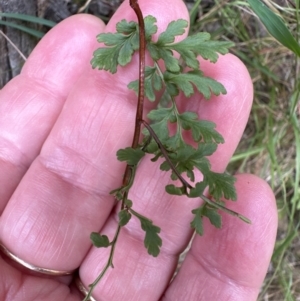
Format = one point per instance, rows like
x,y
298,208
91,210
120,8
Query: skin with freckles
x,y
61,125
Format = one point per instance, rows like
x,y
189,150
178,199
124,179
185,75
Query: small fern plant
x,y
166,76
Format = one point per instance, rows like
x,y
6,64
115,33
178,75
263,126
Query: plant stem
x,y
108,264
130,170
164,152
140,105
142,50
184,182
225,209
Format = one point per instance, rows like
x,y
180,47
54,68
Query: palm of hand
x,y
61,125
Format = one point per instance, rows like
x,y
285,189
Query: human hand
x,y
61,125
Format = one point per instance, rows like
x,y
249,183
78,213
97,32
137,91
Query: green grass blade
x,y
30,31
246,154
194,12
285,243
28,18
275,26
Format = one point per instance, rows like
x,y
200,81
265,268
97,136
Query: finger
x,y
64,196
135,272
231,263
18,287
31,102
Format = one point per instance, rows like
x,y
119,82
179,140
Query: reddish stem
x,y
140,104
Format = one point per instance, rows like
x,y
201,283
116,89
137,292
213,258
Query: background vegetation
x,y
270,147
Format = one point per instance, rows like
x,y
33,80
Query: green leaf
x,y
209,212
221,185
134,85
120,47
161,130
189,48
150,27
152,147
190,58
166,54
153,82
105,59
152,240
111,39
202,130
99,241
175,28
171,63
124,217
210,49
125,27
153,51
130,155
185,159
186,82
198,190
181,161
161,117
200,44
197,222
206,149
275,26
165,99
171,89
125,53
213,216
161,114
174,190
128,203
174,142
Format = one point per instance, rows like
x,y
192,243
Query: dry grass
x,y
270,147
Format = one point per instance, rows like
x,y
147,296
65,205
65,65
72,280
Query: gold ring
x,y
82,288
32,267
